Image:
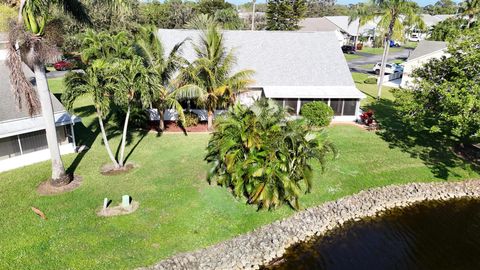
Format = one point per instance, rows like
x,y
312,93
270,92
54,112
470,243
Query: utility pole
x,y
253,16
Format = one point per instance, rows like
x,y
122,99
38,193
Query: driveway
x,y
355,65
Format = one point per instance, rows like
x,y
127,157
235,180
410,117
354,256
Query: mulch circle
x,y
46,188
109,169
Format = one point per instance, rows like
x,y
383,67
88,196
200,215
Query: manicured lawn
x,y
178,210
379,50
370,89
349,57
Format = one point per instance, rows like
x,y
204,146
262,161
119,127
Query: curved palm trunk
x,y
105,139
124,137
59,177
210,120
385,56
356,37
161,124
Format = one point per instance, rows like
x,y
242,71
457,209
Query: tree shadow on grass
x,y
433,150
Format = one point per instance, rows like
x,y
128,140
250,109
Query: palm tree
x,y
209,78
91,82
161,70
104,45
129,83
264,157
470,8
29,43
393,14
362,13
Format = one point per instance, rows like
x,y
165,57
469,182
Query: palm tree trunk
x,y
161,124
356,37
59,177
105,139
210,120
382,68
124,137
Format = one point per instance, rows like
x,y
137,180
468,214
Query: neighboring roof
x,y
430,20
443,17
316,24
278,58
427,47
342,23
8,106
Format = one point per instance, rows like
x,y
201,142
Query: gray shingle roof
x,y
316,24
426,47
278,58
8,105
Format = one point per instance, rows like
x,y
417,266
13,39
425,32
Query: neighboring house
x,y
425,51
430,21
22,138
292,68
344,31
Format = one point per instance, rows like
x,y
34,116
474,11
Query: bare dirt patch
x,y
109,169
118,210
46,188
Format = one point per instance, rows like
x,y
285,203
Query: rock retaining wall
x,y
262,245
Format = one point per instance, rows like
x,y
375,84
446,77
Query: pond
x,y
430,235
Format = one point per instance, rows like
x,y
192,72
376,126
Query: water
x,y
433,235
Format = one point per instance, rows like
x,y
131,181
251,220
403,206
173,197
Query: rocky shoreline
x,y
259,247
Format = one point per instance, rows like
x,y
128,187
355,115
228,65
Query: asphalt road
x,y
355,65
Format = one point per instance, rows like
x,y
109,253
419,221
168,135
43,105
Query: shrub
x,y
367,117
370,80
317,113
262,157
191,119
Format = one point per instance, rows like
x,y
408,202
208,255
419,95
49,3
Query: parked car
x,y
348,49
414,37
394,43
389,68
68,63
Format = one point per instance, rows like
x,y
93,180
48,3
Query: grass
x,y
370,89
178,210
371,50
350,57
6,13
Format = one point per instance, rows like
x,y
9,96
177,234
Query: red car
x,y
66,64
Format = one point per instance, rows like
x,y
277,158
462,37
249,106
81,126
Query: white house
x,y
22,138
293,68
424,52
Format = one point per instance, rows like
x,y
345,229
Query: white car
x,y
389,68
414,37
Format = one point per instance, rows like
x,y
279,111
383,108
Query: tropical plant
x,y
445,98
262,156
208,79
93,83
394,16
161,70
470,8
363,13
285,14
317,113
448,29
104,45
28,42
129,83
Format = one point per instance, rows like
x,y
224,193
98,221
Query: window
x,y
305,101
279,101
336,105
291,105
33,141
9,147
349,107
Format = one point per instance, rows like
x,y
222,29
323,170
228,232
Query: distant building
x,y
292,68
22,138
425,51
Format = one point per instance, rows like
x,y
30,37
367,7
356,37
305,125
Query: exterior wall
x,y
29,148
410,66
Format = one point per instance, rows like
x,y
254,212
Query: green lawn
x,y
371,50
349,57
370,89
178,210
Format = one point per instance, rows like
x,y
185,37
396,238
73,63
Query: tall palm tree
x,y
161,70
470,8
129,83
104,45
92,82
209,78
393,14
363,13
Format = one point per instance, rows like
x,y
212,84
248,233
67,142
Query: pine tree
x,y
285,14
